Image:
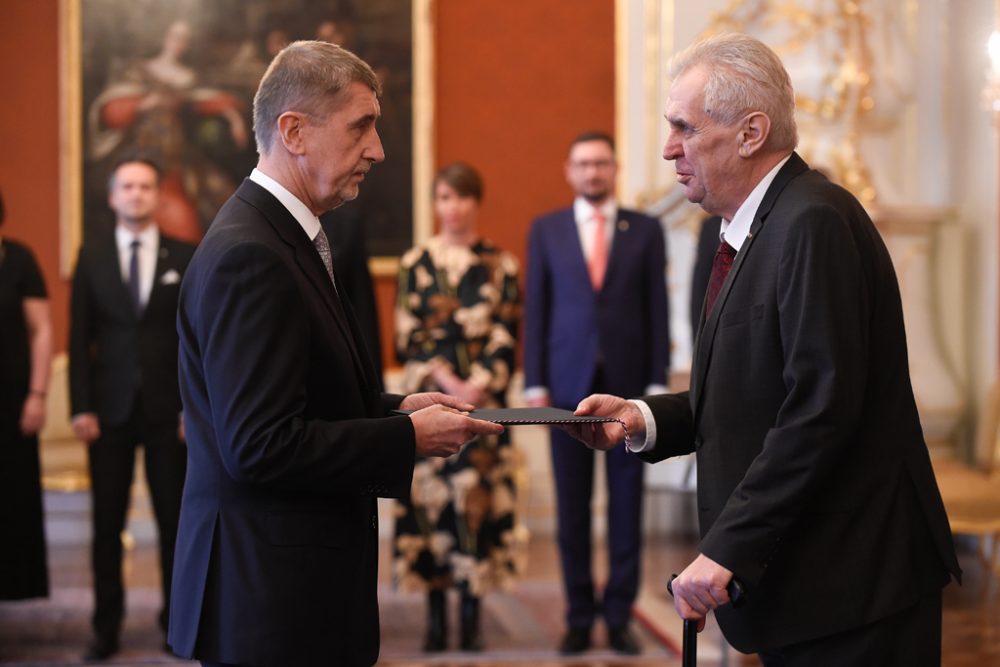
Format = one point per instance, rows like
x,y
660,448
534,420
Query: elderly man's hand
x,y
701,588
606,435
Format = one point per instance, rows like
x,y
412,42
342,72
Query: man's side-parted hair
x,y
744,76
307,77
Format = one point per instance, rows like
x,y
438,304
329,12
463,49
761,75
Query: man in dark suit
x,y
289,436
595,321
123,382
815,488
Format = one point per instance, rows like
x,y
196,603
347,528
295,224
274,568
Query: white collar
x,y
735,233
309,222
148,238
583,210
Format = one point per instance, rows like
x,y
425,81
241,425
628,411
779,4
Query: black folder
x,y
524,416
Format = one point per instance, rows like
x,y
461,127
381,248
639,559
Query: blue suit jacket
x,y
570,329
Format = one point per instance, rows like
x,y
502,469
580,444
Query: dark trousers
x,y
111,460
909,638
573,467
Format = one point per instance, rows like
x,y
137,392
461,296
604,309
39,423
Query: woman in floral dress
x,y
456,319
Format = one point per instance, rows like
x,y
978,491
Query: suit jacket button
x,y
374,521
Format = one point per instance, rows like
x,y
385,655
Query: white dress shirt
x,y
586,221
149,250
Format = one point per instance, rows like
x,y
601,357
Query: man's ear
x,y
754,130
290,127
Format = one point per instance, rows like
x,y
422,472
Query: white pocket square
x,y
171,277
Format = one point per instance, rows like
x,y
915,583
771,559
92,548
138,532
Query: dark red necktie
x,y
723,262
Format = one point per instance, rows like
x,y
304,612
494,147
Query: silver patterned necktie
x,y
323,248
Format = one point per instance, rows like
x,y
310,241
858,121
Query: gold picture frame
x,y
88,71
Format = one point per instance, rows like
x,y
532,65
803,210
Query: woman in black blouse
x,y
25,353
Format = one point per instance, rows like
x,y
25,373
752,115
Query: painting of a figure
x,y
173,80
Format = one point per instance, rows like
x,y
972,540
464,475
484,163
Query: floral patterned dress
x,y
459,306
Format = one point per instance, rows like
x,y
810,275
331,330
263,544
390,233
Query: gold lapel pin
x,y
623,225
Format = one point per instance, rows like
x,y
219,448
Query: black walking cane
x,y
689,647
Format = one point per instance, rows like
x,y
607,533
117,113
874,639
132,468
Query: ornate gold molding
x,y
70,136
423,124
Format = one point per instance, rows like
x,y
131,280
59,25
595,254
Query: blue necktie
x,y
133,277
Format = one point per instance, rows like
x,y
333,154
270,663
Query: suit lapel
x,y
567,239
621,238
163,264
710,321
308,261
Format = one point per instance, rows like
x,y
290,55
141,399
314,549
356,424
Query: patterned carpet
x,y
521,626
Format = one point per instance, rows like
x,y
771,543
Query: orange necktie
x,y
598,264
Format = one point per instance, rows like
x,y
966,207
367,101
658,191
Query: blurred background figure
x,y
456,321
596,321
123,383
25,356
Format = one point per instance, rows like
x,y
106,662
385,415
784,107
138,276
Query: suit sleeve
x,y
253,329
536,311
674,426
657,307
81,367
822,310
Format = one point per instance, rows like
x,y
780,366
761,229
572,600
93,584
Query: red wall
x,y
514,82
29,139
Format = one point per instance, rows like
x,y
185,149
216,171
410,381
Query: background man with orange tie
x,y
595,320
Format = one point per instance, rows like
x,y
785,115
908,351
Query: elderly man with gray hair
x,y
815,488
290,438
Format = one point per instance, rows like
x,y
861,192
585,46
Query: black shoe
x,y
576,640
623,641
101,648
471,639
437,623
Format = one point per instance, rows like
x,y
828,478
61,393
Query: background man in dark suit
x,y
123,382
595,321
815,488
289,436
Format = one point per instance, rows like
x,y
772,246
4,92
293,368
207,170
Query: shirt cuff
x,y
531,393
647,416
